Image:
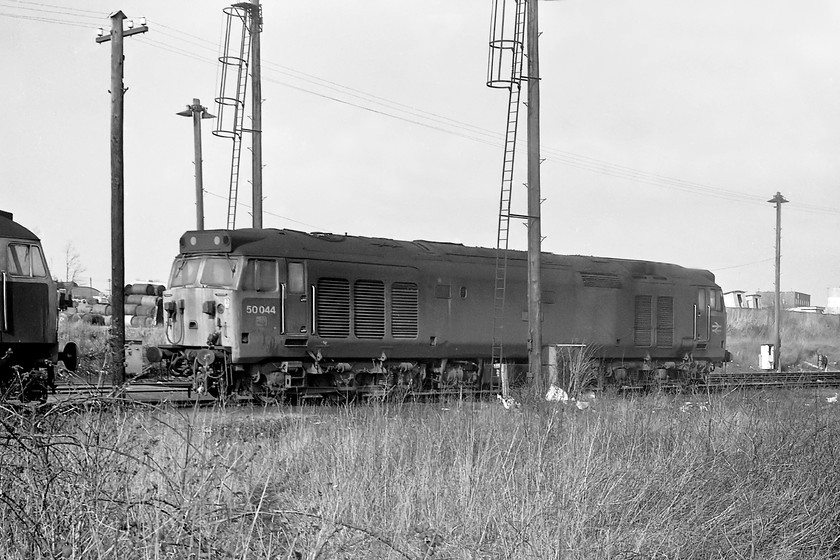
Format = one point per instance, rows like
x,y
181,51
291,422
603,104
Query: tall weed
x,y
718,476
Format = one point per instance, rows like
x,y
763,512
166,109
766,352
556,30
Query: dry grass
x,y
731,476
737,475
92,342
802,334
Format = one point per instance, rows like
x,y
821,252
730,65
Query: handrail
x,y
5,326
282,308
314,317
694,332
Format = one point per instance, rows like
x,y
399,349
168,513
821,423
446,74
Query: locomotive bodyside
x,y
320,313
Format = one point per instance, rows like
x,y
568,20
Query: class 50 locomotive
x,y
263,310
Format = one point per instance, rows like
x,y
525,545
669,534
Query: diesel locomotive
x,y
270,311
28,316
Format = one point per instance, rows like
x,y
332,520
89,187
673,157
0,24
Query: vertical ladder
x,y
515,47
234,75
239,117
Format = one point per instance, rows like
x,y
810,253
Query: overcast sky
x,y
666,127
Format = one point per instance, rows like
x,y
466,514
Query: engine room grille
x,y
596,280
643,323
369,309
665,322
332,308
404,310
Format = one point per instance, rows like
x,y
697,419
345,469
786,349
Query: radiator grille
x,y
595,280
332,308
369,309
404,312
665,322
643,323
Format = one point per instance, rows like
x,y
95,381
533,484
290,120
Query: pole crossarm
x,y
125,33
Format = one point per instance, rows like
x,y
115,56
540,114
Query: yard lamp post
x,y
778,200
197,112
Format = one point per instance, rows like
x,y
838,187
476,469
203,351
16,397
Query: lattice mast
x,y
504,70
242,27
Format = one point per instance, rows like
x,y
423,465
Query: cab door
x,y
295,300
261,309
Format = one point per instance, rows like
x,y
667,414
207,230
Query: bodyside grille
x,y
404,310
643,322
369,309
333,308
665,322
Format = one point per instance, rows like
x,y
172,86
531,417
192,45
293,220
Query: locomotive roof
x,y
278,242
12,229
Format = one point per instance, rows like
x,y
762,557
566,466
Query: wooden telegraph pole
x,y
256,114
117,190
534,222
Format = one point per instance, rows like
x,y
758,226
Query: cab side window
x,y
295,283
260,276
25,260
717,300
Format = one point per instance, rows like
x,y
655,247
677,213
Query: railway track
x,y
146,391
771,379
179,392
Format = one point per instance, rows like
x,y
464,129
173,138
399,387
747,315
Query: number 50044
x,y
261,309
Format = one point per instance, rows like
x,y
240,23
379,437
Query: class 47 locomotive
x,y
29,347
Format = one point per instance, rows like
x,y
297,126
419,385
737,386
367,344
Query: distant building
x,y
789,300
88,295
742,300
763,300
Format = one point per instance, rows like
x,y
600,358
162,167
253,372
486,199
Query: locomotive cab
x,y
241,308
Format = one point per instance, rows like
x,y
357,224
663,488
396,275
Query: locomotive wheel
x,y
217,387
180,366
34,390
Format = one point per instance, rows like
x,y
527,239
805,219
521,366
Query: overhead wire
x,y
80,11
249,207
44,20
61,10
413,115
